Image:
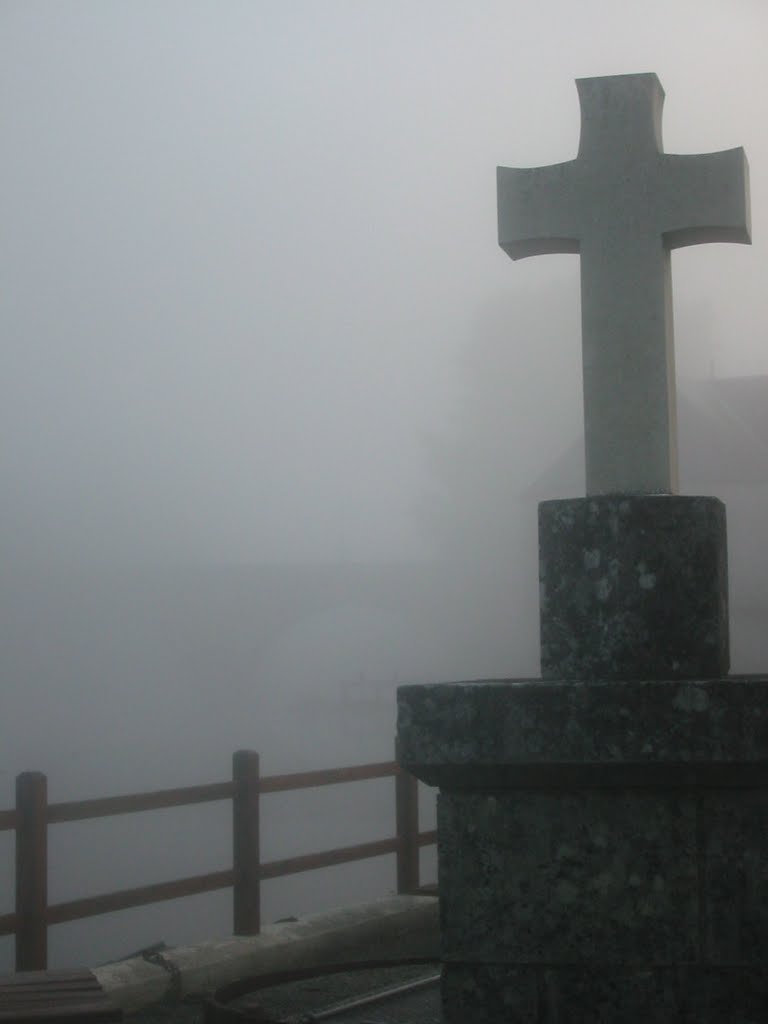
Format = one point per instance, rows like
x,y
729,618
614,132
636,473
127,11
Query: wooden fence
x,y
33,814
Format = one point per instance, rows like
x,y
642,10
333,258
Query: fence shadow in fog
x,y
33,814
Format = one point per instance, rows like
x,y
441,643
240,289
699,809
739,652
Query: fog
x,y
276,410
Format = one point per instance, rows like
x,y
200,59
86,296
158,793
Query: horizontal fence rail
x,y
33,814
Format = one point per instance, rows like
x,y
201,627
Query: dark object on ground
x,y
145,951
50,997
223,1008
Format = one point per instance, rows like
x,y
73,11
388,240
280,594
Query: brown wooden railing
x,y
33,814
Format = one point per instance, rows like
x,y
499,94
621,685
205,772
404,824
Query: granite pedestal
x,y
603,842
633,587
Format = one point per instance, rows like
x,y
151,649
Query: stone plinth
x,y
633,587
603,849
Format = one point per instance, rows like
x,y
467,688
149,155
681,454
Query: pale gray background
x,y
253,313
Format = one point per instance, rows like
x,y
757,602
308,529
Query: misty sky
x,y
253,310
249,264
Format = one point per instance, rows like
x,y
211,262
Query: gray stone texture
x,y
498,734
490,994
487,994
723,995
610,997
734,876
623,204
531,877
633,588
603,853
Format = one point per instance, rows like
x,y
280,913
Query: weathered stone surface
x,y
723,995
502,733
604,994
734,848
608,835
489,994
633,588
588,877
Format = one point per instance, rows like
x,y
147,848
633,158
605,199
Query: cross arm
x,y
707,198
537,209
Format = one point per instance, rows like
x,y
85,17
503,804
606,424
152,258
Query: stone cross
x,y
623,204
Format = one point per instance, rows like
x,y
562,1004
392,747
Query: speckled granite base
x,y
633,587
603,848
661,995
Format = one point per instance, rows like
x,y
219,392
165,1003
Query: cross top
x,y
620,116
623,204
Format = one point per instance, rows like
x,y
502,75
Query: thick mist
x,y
276,410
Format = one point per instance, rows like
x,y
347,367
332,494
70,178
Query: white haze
x,y
255,321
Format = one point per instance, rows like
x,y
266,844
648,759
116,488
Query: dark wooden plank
x,y
311,861
407,817
73,988
84,1012
106,903
55,996
246,849
105,1014
328,777
61,975
31,871
45,992
101,807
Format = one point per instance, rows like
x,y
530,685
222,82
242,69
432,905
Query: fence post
x,y
31,871
407,815
245,822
